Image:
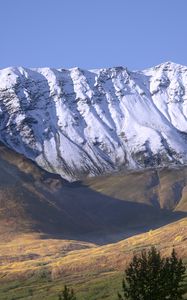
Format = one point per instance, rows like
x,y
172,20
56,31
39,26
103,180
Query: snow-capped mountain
x,y
77,122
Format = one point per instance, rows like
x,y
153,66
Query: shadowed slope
x,y
100,210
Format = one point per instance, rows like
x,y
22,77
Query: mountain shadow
x,y
100,210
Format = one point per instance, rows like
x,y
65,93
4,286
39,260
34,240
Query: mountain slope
x,y
40,214
44,266
162,188
77,123
101,209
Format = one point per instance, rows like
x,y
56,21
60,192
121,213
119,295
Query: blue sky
x,y
92,33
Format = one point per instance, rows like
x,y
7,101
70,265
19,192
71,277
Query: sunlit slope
x,y
164,187
80,123
79,263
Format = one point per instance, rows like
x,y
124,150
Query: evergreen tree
x,y
67,294
149,276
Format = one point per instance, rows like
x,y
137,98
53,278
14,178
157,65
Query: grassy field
x,y
38,288
36,268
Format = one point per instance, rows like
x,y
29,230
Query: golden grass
x,y
27,254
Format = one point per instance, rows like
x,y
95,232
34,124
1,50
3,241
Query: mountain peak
x,y
168,65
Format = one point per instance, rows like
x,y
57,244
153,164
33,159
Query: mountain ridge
x,y
79,123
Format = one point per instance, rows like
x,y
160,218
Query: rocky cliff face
x,y
78,123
